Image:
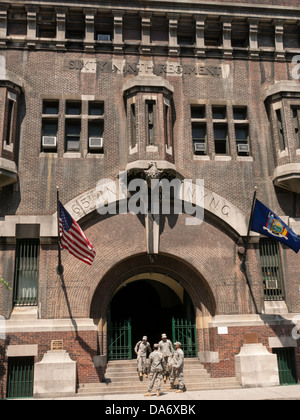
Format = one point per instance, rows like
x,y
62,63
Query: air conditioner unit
x,y
103,37
49,142
243,148
200,147
271,284
95,143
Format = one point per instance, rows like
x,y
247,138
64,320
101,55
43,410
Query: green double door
x,y
286,365
20,377
120,346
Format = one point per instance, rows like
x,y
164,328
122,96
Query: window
x,y
221,139
199,131
282,144
186,31
159,31
266,35
240,113
296,115
95,126
96,108
104,27
72,135
213,33
241,127
150,109
46,24
132,28
75,25
168,129
271,270
73,108
17,22
220,130
239,34
50,125
219,112
72,126
26,272
291,36
133,125
50,107
9,118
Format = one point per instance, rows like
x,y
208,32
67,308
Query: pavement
x,y
289,392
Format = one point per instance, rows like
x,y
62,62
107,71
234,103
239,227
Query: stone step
x,y
96,389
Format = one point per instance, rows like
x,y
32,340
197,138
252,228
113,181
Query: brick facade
x,y
125,76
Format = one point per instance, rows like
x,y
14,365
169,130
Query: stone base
x,y
255,366
55,376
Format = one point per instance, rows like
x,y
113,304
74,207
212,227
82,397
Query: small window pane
x,y
73,129
240,113
241,133
50,107
49,128
219,113
96,129
73,108
197,112
96,108
199,131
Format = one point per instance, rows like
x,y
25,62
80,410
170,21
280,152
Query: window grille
x,y
26,272
271,270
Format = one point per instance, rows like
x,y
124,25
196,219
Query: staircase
x,y
122,378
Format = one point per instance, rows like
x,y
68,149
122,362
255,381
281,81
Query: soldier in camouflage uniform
x,y
177,368
141,349
156,370
166,348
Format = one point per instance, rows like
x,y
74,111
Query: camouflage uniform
x,y
141,349
177,368
156,370
166,348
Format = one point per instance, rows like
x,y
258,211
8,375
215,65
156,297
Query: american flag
x,y
73,239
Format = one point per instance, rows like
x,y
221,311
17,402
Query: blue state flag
x,y
266,222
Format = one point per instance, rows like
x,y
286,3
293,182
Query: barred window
x,y
273,285
26,272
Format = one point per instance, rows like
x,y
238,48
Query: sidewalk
x,y
290,392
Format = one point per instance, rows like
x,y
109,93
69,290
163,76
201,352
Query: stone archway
x,y
168,266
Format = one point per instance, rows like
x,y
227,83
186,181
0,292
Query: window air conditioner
x,y
95,143
49,142
243,148
200,147
271,284
102,37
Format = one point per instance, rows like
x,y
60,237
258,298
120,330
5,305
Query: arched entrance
x,y
150,304
168,286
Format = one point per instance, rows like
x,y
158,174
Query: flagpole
x,y
60,267
243,264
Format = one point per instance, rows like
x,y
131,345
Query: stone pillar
x,y
31,26
173,26
118,30
255,366
3,24
146,26
89,29
61,27
55,375
253,40
200,45
279,50
227,48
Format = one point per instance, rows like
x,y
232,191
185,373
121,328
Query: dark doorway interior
x,y
150,305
